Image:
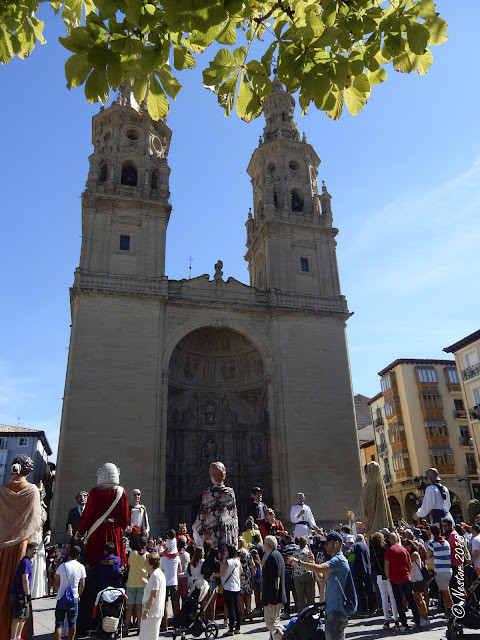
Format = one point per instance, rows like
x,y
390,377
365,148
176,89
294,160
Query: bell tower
x,y
290,239
125,208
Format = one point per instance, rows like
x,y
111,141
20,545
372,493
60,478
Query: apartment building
x,y
30,442
467,357
420,421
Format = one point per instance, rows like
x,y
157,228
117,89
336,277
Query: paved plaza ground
x,y
369,629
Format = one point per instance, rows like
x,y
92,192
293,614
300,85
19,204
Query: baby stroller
x,y
308,625
189,618
470,610
109,609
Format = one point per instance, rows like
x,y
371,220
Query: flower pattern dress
x,y
246,579
217,519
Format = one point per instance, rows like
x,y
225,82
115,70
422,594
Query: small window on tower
x,y
129,174
103,173
124,243
304,264
154,180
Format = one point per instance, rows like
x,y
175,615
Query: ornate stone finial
x,y
218,270
277,85
250,215
304,137
260,141
324,187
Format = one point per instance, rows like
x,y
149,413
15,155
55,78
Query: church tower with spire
x,y
290,238
125,203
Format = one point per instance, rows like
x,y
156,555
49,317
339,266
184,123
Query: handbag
x,y
425,572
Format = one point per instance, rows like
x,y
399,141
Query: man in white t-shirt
x,y
171,566
476,547
69,583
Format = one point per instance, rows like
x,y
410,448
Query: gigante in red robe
x,y
99,500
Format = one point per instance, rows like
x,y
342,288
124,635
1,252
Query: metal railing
x,y
377,422
471,372
460,413
382,447
465,441
475,412
470,470
387,478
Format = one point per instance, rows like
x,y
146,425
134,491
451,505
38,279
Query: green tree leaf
x,y
375,77
139,88
437,29
417,37
157,102
96,87
228,35
182,58
6,49
226,93
77,68
408,62
170,84
249,105
355,100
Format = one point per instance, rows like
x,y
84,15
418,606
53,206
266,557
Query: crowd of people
x,y
366,567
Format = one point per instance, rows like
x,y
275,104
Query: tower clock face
x,y
157,146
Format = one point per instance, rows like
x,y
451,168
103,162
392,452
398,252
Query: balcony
x,y
471,372
470,470
377,422
460,414
382,448
387,478
475,412
465,441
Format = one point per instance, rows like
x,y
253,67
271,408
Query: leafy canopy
x,y
331,51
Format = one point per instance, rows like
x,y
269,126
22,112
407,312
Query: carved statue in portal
x,y
190,367
209,411
211,452
228,370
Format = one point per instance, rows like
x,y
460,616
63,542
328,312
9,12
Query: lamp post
x,y
420,483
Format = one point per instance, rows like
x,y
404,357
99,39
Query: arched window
x,y
129,174
103,173
297,201
275,199
154,180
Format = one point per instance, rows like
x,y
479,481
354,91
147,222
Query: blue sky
x,y
404,176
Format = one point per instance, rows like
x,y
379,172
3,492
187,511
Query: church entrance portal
x,y
217,410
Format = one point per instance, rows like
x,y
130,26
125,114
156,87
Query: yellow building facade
x,y
467,358
420,421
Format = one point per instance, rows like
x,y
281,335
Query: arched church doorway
x,y
395,508
217,410
410,506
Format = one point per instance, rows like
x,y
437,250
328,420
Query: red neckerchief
x,y
439,539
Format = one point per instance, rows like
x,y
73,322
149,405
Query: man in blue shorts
x,y
69,583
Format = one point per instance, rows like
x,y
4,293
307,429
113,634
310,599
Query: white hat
x,y
348,538
108,474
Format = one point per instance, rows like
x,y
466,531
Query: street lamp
x,y
420,484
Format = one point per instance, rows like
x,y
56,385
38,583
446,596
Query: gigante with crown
x,y
165,376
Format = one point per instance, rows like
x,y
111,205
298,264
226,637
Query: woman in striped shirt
x,y
439,550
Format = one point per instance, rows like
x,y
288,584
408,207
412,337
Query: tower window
x,y
154,180
297,202
271,167
275,199
124,243
103,173
294,166
129,174
133,134
304,264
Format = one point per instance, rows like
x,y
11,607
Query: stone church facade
x,y
165,376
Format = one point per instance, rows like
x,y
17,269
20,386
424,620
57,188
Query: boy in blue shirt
x,y
21,591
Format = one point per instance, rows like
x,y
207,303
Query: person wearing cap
x,y
302,517
100,499
436,502
139,525
256,508
334,572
